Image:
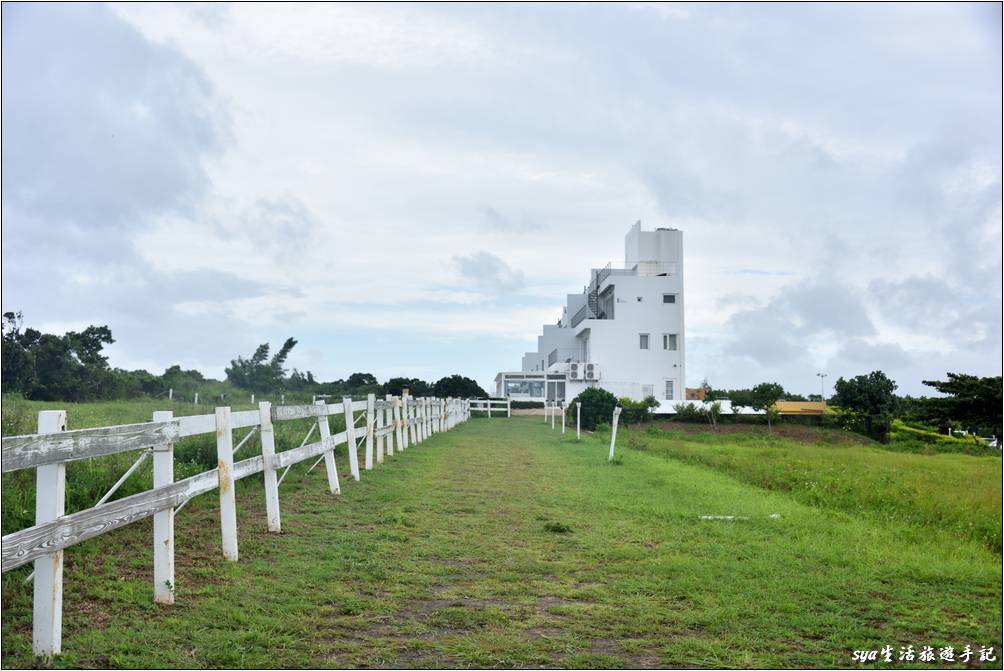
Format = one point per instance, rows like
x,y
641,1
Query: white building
x,y
623,333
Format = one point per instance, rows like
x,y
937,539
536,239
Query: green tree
x,y
635,412
259,373
763,397
415,386
458,386
868,402
361,380
597,407
971,401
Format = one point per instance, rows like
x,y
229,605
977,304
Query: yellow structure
x,y
801,407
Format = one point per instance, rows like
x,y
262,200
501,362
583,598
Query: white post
x,y
388,420
196,398
324,429
427,416
508,408
350,434
404,421
563,406
419,420
578,420
370,423
282,399
545,412
398,433
228,501
267,456
489,403
613,433
50,501
554,408
170,394
252,399
379,424
163,521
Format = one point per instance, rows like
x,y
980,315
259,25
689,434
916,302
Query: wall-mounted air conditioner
x,y
592,371
575,371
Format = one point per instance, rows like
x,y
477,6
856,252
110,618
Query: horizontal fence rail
x,y
489,404
380,427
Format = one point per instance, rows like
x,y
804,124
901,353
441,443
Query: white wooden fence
x,y
381,427
499,405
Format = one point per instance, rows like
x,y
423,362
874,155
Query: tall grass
x,y
957,494
88,479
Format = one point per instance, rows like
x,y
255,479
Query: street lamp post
x,y
822,377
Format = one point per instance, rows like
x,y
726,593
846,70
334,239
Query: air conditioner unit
x,y
575,371
592,371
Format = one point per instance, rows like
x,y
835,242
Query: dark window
x,y
669,298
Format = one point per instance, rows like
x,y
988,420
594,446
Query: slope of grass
x,y
504,544
88,480
932,493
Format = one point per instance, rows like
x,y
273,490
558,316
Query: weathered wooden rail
x,y
502,405
379,427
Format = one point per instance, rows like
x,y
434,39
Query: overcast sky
x,y
411,190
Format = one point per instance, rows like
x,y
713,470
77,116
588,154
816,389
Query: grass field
x,y
503,543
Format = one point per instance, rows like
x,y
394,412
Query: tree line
x,y
868,403
72,368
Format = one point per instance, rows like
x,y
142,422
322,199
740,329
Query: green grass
x,y
955,494
448,556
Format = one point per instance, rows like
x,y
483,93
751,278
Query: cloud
x,y
488,271
250,172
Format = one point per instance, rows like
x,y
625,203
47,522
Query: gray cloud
x,y
855,146
487,271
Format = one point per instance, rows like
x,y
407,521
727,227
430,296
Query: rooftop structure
x,y
624,332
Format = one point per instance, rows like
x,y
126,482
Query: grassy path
x,y
441,558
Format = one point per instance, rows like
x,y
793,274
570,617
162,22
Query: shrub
x,y
597,406
526,405
635,412
688,412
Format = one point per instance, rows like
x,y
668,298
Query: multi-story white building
x,y
623,333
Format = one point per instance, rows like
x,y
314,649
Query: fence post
x,y
426,421
545,411
489,404
508,408
252,399
163,521
554,407
404,422
398,433
389,420
324,429
170,394
563,407
613,432
350,435
578,420
370,422
50,502
268,471
196,398
225,469
378,424
419,420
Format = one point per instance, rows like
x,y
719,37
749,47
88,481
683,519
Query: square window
x,y
669,298
643,341
669,341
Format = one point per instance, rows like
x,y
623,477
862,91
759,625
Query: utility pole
x,y
822,396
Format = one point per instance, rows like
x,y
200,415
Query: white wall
x,y
626,369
